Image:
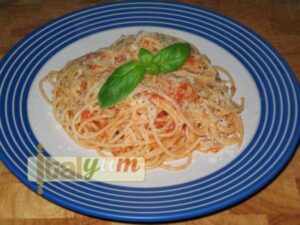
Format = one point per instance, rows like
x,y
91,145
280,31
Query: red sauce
x,y
161,124
233,89
185,92
162,114
83,84
191,60
93,66
86,114
147,42
101,125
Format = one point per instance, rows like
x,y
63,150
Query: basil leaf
x,y
145,56
124,79
120,83
152,69
173,57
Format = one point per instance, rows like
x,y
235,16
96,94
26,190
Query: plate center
x,y
57,143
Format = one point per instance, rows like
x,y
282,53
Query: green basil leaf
x,y
120,83
145,56
173,57
152,69
124,79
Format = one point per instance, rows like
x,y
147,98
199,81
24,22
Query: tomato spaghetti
x,y
165,118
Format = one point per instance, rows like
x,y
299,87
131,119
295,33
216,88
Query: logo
x,y
51,169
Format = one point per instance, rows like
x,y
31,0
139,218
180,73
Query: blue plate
x,y
264,157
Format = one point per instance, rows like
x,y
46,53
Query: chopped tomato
x,y
86,114
101,125
159,124
179,97
70,113
119,149
93,66
83,84
162,114
101,55
185,92
146,42
183,87
191,60
147,127
233,89
154,95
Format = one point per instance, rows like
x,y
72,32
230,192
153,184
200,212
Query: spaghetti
x,y
165,118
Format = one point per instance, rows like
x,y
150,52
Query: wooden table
x,y
279,203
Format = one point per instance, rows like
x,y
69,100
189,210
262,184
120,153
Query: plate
x,y
203,163
212,182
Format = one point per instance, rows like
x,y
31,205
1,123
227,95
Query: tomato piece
x,y
162,114
83,84
86,114
185,92
160,124
233,89
191,60
101,125
93,66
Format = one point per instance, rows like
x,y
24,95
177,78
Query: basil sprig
x,y
125,78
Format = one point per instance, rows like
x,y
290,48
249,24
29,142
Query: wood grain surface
x,y
279,203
